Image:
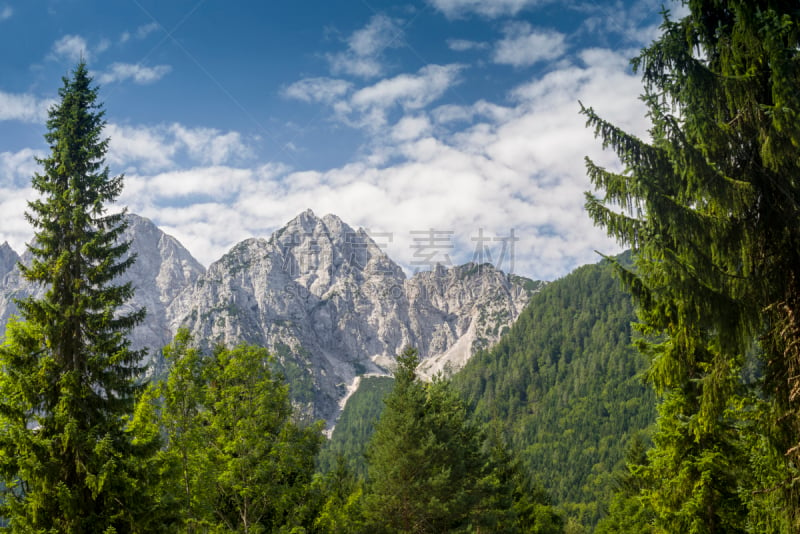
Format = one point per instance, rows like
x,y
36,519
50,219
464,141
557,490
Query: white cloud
x,y
76,47
18,167
102,46
23,107
13,204
210,146
325,90
140,74
158,148
410,128
463,45
6,12
16,170
365,47
369,107
71,47
139,147
214,183
139,33
146,29
407,91
487,8
635,29
523,45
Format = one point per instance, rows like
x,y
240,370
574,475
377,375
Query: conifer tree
x,y
424,459
711,206
235,459
68,373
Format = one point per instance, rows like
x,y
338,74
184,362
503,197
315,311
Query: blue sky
x,y
454,120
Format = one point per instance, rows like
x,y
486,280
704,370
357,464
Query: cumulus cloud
x,y
369,106
16,170
412,91
325,90
487,8
524,46
481,171
158,148
209,145
23,107
6,12
410,128
71,47
18,167
140,74
365,47
463,45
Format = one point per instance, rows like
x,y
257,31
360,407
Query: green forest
x,y
658,391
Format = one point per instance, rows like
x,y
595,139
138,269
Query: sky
x,y
448,129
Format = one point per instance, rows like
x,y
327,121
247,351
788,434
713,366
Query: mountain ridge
x,y
324,297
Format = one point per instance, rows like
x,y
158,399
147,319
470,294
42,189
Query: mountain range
x,y
327,301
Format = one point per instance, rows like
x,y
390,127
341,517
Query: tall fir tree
x,y
426,468
423,459
711,206
68,373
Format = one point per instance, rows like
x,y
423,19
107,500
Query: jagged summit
x,y
163,268
8,259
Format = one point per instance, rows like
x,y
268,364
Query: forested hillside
x,y
356,425
564,385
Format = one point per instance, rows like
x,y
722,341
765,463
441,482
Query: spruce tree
x,y
711,206
424,460
68,373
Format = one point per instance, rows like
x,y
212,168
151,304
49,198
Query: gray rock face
x,y
328,302
162,269
8,259
341,308
9,283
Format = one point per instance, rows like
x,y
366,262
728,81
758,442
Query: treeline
x,y
231,456
565,387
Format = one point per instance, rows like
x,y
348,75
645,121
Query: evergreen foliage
x,y
67,384
564,387
711,206
355,427
628,511
234,457
423,458
428,469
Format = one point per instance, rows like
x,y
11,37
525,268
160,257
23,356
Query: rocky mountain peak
x,y
8,259
163,268
332,305
316,252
